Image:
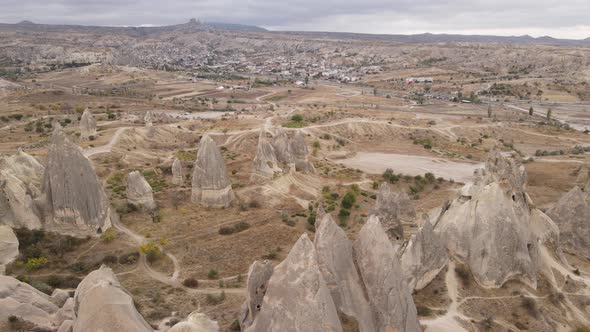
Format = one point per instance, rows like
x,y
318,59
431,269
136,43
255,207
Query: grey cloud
x,y
379,16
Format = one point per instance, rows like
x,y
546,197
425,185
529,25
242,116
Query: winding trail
x,y
107,147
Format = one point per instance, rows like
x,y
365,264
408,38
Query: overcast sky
x,y
562,19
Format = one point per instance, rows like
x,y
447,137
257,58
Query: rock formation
x,y
388,293
148,118
177,172
493,226
335,258
423,257
102,304
297,298
87,125
265,163
22,300
139,191
20,184
8,247
211,186
258,276
572,216
76,203
196,322
292,152
301,153
393,208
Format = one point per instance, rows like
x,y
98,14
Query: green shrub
x,y
109,235
213,274
297,118
348,200
151,251
35,263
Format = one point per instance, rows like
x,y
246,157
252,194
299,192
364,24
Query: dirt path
x,y
107,147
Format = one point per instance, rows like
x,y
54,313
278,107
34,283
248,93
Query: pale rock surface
x,y
393,208
22,300
196,322
301,153
76,203
257,282
335,257
66,312
8,247
20,183
87,124
211,186
423,257
139,191
60,296
297,298
148,118
388,293
265,163
493,226
102,304
177,172
66,326
572,215
281,144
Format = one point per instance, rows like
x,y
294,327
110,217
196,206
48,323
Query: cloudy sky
x,y
562,19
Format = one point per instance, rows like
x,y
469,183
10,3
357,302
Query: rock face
x,y
292,152
424,257
301,153
196,322
76,203
20,184
177,172
389,295
8,247
297,298
493,227
393,208
211,186
22,300
87,125
335,257
265,163
572,216
101,304
139,191
258,276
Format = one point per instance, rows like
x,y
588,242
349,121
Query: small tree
x,y
348,200
549,114
489,111
531,110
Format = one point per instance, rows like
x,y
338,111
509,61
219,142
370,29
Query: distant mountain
x,y
191,26
195,26
444,38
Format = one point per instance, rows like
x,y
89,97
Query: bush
x,y
109,235
128,259
239,227
151,251
35,263
530,305
191,283
214,300
213,274
297,118
463,274
348,200
423,311
110,259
